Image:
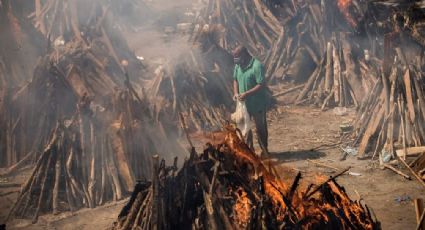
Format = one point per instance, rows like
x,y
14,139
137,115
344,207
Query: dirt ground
x,y
294,132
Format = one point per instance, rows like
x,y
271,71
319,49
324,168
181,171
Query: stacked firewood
x,y
392,118
334,45
65,74
197,85
251,23
228,187
20,46
30,114
299,41
92,144
83,118
91,58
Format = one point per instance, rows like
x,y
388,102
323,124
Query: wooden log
x,y
288,90
412,151
419,208
41,199
14,168
372,126
337,75
413,172
155,192
403,126
409,96
397,171
351,77
309,84
58,170
323,165
421,222
420,211
327,99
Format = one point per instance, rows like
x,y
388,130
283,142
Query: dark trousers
x,y
260,122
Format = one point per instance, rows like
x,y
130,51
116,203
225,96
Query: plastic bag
x,y
241,117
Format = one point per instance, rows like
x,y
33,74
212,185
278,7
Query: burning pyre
x,y
228,187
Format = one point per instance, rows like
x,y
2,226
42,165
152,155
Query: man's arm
x,y
235,87
251,91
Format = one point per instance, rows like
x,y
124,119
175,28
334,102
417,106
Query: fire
x,y
242,208
344,6
316,208
246,196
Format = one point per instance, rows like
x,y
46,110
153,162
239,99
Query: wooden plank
x,y
370,131
288,90
419,209
412,151
409,97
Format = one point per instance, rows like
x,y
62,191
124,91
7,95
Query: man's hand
x,y
242,96
235,97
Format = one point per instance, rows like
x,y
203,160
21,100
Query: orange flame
x,y
343,6
242,209
275,188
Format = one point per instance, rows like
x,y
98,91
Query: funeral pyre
x,y
228,187
337,46
84,124
346,53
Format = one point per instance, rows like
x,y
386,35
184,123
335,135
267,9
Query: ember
x,y
344,6
228,187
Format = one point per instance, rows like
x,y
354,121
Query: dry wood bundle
x,y
288,37
228,187
93,156
250,22
30,114
341,79
196,85
418,166
90,67
392,115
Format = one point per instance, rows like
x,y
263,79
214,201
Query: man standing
x,y
248,86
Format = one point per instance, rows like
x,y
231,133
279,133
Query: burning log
x,y
228,187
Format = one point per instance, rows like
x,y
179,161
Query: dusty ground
x,y
294,131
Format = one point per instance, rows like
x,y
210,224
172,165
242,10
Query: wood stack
x,y
332,45
289,37
91,61
392,116
30,114
340,80
20,46
92,146
82,119
227,187
196,85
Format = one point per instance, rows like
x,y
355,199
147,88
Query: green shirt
x,y
247,79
